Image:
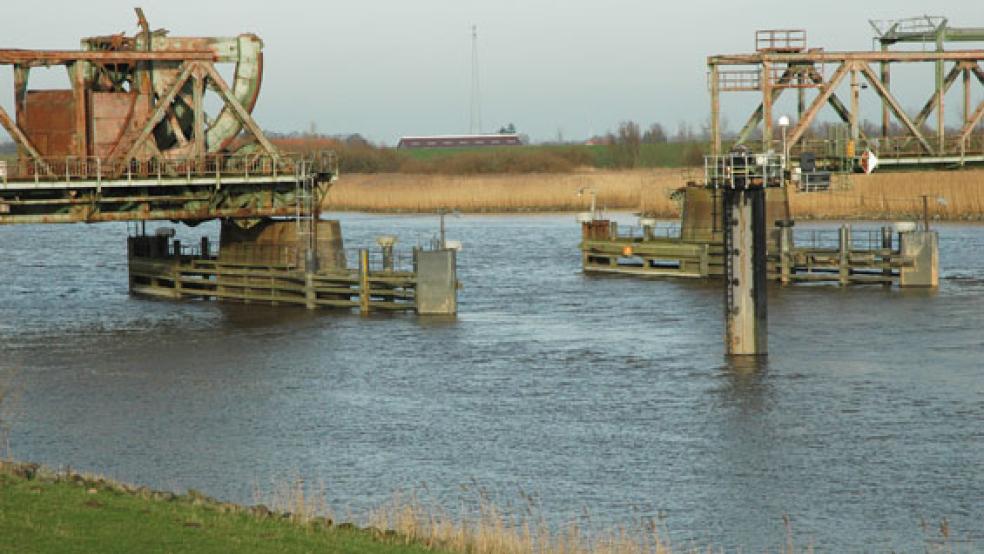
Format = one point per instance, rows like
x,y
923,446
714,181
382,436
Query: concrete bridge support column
x,y
437,282
923,248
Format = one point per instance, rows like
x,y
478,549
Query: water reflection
x,y
748,384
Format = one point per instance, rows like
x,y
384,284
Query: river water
x,y
605,398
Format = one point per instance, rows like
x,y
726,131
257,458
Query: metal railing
x,y
780,40
829,239
738,170
739,79
213,166
400,260
909,147
815,181
667,231
892,147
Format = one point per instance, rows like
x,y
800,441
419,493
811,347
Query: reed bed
x,y
544,192
953,195
479,526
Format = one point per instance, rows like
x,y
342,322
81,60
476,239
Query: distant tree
x,y
685,132
508,130
356,140
625,145
655,134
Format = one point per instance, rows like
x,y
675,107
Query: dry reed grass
x,y
877,196
898,196
634,189
480,528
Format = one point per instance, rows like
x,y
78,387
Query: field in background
x,y
361,157
877,196
665,154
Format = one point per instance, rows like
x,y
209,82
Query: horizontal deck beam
x,y
840,57
16,56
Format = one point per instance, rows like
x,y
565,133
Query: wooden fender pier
x,y
425,282
904,254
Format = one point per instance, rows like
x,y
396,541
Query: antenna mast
x,y
476,94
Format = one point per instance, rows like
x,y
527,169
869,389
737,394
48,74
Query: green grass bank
x,y
44,511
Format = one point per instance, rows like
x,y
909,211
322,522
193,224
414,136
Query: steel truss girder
x,y
148,200
818,102
894,105
966,61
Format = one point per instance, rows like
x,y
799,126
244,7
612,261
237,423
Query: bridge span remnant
x,y
132,140
783,61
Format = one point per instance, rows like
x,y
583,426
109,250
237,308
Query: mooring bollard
x,y
387,242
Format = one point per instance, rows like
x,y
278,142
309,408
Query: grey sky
x,y
385,68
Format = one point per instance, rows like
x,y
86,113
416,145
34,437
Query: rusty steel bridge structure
x,y
784,61
132,140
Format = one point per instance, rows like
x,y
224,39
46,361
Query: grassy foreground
x,y
42,511
46,511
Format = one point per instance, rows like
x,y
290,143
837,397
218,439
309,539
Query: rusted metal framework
x,y
131,139
783,61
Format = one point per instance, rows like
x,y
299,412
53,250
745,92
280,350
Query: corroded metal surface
x,y
783,61
131,139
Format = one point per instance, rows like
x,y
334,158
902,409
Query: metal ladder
x,y
729,252
304,209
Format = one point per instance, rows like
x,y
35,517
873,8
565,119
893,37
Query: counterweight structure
x,y
132,140
782,61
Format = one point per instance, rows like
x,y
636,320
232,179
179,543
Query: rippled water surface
x,y
603,394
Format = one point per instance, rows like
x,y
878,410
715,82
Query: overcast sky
x,y
386,68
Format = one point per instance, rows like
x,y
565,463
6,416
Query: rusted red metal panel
x,y
49,121
111,111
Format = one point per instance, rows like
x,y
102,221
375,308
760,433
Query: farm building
x,y
453,141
